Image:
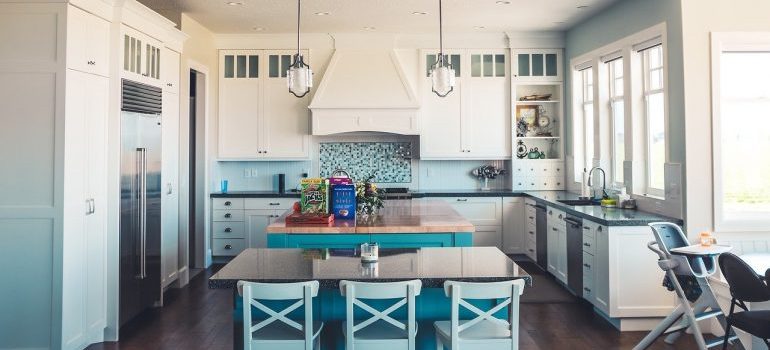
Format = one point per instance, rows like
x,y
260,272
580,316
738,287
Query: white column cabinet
x,y
514,226
85,172
258,118
169,71
472,122
557,244
170,181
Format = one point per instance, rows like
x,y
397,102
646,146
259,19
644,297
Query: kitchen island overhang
x,y
399,224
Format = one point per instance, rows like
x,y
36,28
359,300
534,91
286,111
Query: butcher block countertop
x,y
397,216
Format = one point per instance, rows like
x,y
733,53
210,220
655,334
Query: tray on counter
x,y
309,219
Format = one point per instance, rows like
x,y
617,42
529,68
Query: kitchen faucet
x,y
604,182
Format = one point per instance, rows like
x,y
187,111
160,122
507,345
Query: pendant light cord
x,y
440,34
299,9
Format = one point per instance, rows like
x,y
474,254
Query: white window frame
x,y
730,42
613,97
582,156
646,69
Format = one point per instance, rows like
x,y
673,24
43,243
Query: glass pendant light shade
x,y
443,78
299,77
442,73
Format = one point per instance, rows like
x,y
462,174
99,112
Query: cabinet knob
x,y
228,247
228,215
228,203
462,199
586,244
531,217
532,233
599,229
531,250
560,216
227,229
586,228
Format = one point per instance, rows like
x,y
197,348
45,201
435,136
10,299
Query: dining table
x,y
433,266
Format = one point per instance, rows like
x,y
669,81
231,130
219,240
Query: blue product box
x,y
344,201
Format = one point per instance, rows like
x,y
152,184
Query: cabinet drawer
x,y
228,247
588,264
228,229
270,203
227,215
479,211
227,203
556,217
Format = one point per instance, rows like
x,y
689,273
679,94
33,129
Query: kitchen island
x,y
400,224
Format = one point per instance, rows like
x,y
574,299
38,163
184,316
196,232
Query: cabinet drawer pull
x,y
586,228
532,251
462,199
227,229
228,203
599,229
554,229
531,218
228,247
228,215
586,265
532,233
587,289
560,216
586,244
275,203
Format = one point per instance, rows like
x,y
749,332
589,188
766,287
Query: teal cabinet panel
x,y
414,240
389,240
316,241
463,239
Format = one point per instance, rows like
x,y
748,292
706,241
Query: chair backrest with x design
x,y
405,292
252,293
460,292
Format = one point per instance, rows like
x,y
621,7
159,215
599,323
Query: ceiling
x,y
385,16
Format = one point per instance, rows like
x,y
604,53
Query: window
x,y
655,118
617,118
741,112
583,123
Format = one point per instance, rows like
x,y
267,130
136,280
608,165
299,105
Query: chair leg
x,y
439,344
727,335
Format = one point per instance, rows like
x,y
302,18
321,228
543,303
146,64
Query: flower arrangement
x,y
368,197
487,172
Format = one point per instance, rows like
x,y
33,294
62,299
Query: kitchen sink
x,y
578,202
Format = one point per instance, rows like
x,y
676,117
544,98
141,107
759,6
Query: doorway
x,y
197,172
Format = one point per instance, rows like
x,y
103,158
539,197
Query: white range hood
x,y
364,91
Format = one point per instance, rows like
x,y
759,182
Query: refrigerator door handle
x,y
141,160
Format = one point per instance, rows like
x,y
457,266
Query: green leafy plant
x,y
368,197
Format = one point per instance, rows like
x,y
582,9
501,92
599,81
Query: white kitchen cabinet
x,y
473,121
537,64
480,211
88,39
170,71
256,224
84,224
170,187
530,229
488,236
515,226
141,57
258,118
557,244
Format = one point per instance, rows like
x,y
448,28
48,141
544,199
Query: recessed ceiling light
x,y
479,27
419,13
369,28
501,2
259,29
582,7
323,13
235,3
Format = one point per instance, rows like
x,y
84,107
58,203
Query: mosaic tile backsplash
x,y
385,160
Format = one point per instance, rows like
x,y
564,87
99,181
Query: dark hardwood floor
x,y
197,317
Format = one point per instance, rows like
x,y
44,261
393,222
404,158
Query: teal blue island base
x,y
385,240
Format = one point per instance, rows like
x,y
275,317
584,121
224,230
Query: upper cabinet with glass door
x,y
141,57
537,64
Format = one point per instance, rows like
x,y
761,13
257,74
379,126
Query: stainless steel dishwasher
x,y
541,228
575,254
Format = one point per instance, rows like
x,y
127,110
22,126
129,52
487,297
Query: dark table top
x,y
433,266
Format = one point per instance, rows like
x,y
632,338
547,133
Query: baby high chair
x,y
679,259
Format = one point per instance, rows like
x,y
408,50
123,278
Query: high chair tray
x,y
698,249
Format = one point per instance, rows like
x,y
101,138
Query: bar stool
x,y
288,334
380,331
485,331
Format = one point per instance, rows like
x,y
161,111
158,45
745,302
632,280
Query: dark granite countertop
x,y
603,216
433,266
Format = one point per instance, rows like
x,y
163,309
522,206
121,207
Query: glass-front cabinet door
x,y
536,64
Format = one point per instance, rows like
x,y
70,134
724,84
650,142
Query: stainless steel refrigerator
x,y
140,193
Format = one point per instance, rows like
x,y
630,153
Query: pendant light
x,y
442,73
299,77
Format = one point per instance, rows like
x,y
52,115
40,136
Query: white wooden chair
x,y
278,331
484,331
380,331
